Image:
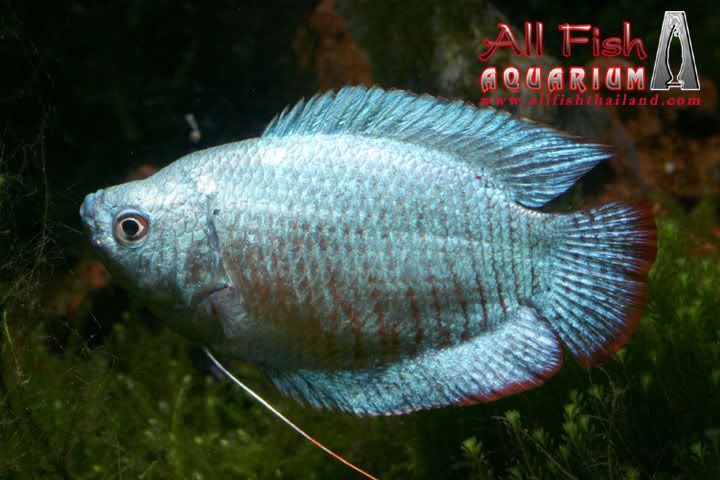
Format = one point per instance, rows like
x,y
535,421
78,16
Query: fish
x,y
380,252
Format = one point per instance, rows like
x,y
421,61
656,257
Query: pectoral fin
x,y
229,309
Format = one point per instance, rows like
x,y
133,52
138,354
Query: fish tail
x,y
599,286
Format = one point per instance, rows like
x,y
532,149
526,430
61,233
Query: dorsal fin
x,y
533,163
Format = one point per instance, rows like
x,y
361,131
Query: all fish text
x,y
574,78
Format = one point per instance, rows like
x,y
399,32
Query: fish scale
x,y
412,247
378,252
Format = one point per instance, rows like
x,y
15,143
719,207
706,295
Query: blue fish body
x,y
379,252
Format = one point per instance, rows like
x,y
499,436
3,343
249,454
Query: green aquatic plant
x,y
138,407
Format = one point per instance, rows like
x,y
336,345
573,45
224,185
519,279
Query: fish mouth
x,y
88,212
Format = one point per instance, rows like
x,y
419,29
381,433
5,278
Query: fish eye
x,y
131,227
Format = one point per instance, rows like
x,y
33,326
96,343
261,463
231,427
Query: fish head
x,y
157,239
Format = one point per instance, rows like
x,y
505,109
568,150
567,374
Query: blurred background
x,y
97,93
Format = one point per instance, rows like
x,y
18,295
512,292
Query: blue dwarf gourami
x,y
379,252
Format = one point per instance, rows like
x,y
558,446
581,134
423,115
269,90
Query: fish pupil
x,y
130,227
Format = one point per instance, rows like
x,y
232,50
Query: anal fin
x,y
519,355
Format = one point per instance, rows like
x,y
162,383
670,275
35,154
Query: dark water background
x,y
92,93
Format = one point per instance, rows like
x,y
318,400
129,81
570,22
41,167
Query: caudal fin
x,y
601,262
